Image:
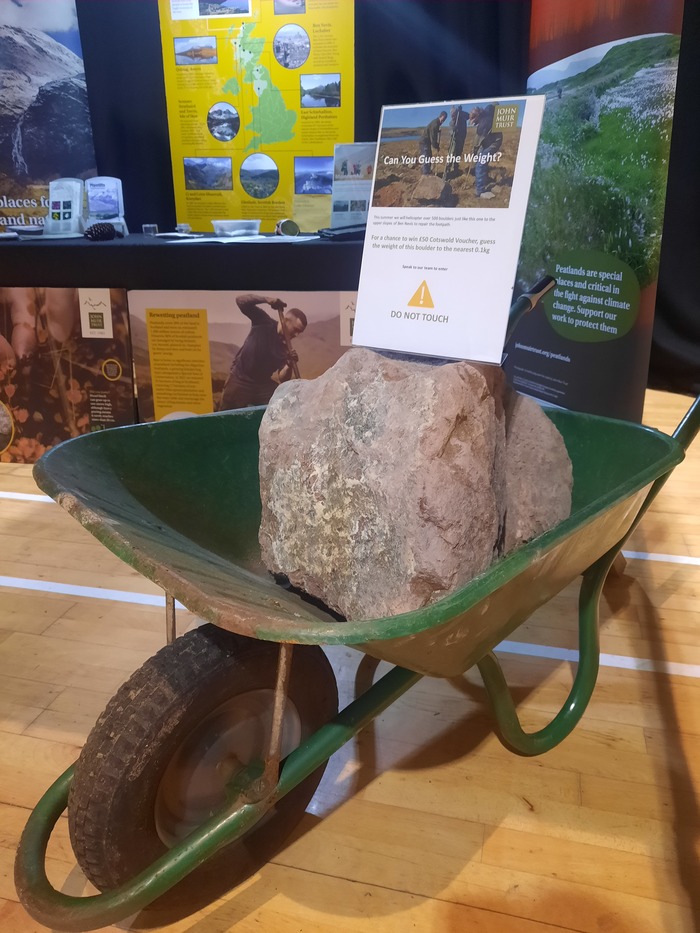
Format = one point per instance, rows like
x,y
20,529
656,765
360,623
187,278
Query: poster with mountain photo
x,y
45,129
596,206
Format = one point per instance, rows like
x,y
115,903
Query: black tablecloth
x,y
138,261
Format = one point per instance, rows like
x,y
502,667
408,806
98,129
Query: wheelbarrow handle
x,y
689,426
509,730
527,302
76,914
60,911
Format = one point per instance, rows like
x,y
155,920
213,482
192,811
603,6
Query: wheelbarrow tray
x,y
179,501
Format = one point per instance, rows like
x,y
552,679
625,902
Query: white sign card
x,y
449,196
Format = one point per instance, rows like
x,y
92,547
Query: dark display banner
x,y
65,367
45,130
594,222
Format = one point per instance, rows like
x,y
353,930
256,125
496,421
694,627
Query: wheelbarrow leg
x,y
535,743
619,565
510,731
267,782
170,620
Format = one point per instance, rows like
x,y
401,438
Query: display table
x,y
146,262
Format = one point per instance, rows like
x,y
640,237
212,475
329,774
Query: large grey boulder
x,y
384,483
430,188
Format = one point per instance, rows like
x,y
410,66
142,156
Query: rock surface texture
x,y
538,473
387,484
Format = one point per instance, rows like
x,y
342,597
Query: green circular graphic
x,y
596,297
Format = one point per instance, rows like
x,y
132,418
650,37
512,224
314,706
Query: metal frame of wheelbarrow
x,y
257,789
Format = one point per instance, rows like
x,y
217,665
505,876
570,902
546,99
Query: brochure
x,y
105,201
65,214
449,195
352,183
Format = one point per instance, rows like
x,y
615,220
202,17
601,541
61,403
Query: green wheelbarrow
x,y
209,754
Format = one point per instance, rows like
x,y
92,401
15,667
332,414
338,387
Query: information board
x,y
258,93
450,192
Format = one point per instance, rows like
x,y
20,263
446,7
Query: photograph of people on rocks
x,y
458,154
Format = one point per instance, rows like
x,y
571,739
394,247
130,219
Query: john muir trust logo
x,y
505,117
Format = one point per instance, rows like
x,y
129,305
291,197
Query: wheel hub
x,y
231,737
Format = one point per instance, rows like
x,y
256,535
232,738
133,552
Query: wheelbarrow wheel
x,y
159,758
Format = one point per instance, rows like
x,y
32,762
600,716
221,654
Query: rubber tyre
x,y
113,796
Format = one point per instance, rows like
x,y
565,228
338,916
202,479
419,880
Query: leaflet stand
x,y
65,216
105,202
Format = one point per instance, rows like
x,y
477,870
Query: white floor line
x,y
89,592
25,496
619,661
665,558
525,649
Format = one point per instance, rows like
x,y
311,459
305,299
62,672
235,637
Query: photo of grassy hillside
x,y
599,180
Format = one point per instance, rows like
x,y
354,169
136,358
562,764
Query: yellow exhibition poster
x,y
258,93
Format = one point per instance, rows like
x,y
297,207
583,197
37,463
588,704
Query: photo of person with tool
x,y
196,352
266,358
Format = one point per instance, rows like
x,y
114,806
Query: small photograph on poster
x,y
223,121
224,7
259,175
291,46
320,90
340,206
313,174
233,340
208,174
196,50
451,155
286,7
354,162
57,380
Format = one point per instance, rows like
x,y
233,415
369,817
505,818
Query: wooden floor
x,y
426,823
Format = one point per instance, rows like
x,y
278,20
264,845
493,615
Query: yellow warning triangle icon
x,y
422,297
